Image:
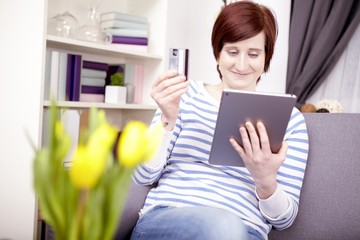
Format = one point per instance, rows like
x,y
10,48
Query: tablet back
x,y
237,107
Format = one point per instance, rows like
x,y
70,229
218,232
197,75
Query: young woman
x,y
196,200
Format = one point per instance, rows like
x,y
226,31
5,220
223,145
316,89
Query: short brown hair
x,y
242,20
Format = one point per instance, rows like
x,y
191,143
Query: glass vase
x,y
64,25
91,30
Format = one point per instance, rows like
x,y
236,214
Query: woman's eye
x,y
253,55
232,53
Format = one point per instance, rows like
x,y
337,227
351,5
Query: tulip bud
x,y
131,145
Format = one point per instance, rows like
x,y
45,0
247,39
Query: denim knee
x,y
223,225
195,223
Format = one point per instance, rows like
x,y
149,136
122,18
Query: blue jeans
x,y
192,223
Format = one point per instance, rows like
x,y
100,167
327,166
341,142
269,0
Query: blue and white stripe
x,y
187,179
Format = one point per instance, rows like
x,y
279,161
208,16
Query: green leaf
x,y
117,79
44,190
70,197
93,219
93,120
116,196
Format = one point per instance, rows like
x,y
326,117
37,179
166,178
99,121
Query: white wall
x,y
195,20
275,79
21,24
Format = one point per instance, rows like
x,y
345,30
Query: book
x,y
129,40
77,78
92,89
61,95
138,82
127,32
90,81
130,47
122,24
73,77
122,16
95,65
69,77
90,97
54,75
93,73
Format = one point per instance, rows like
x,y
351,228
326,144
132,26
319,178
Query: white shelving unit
x,y
156,13
118,114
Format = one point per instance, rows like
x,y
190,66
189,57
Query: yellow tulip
x,y
138,143
130,149
84,172
89,161
102,139
59,130
153,139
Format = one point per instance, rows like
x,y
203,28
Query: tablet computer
x,y
237,107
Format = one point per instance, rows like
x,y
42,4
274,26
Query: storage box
x,y
115,94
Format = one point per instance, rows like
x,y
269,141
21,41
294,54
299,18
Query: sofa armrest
x,y
134,202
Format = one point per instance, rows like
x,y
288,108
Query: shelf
x,y
101,105
102,49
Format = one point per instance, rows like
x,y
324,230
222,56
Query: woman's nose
x,y
241,63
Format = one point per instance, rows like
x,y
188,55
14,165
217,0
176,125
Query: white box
x,y
115,94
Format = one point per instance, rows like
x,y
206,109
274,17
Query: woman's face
x,y
241,63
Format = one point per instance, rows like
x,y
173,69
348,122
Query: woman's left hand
x,y
258,158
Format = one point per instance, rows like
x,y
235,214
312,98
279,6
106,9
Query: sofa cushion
x,y
330,199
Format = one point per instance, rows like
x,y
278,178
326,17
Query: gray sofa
x,y
330,200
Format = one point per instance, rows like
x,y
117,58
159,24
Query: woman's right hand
x,y
166,91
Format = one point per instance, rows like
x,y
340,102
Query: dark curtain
x,y
319,32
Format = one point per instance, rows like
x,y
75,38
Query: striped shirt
x,y
185,178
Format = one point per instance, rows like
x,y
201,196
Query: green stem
x,y
80,213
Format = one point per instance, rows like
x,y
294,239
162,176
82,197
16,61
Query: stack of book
x,y
73,77
68,77
93,83
127,30
62,76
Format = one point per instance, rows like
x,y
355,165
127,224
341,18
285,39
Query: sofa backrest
x,y
330,199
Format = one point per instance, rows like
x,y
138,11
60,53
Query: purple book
x,y
92,89
69,77
95,65
129,40
76,78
